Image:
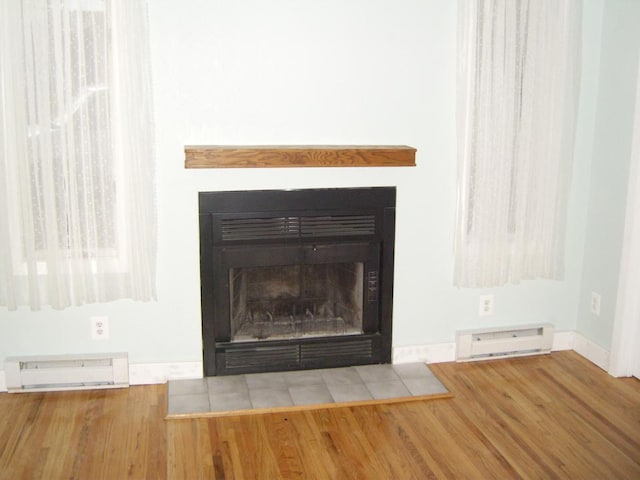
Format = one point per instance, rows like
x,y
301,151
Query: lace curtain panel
x,y
518,83
77,211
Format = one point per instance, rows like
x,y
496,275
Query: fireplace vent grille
x,y
362,349
338,226
280,355
243,229
260,228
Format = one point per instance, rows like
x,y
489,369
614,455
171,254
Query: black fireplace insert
x,y
296,279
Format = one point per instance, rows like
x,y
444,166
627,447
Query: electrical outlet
x,y
486,305
100,328
596,300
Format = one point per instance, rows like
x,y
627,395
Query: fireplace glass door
x,y
297,291
296,301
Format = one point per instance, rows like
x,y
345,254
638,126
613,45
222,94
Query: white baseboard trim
x,y
563,341
434,353
446,352
148,373
592,351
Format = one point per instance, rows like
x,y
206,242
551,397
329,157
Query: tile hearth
x,y
251,393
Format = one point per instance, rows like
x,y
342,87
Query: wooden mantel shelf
x,y
299,156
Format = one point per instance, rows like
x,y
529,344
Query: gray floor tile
x,y
310,394
394,388
230,401
304,377
270,397
187,387
181,404
377,373
344,392
424,386
308,387
265,380
412,370
341,376
226,384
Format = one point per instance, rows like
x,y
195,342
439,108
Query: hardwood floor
x,y
552,416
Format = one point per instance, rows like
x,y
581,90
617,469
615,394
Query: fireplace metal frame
x,y
269,227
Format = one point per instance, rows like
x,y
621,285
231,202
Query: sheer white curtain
x,y
518,81
77,221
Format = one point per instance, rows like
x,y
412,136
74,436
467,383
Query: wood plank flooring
x,y
552,416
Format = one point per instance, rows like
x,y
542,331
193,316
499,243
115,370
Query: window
x,y
81,160
77,146
518,82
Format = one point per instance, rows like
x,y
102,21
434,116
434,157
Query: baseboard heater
x,y
513,341
66,372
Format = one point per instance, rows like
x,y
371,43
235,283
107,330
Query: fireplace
x,y
296,279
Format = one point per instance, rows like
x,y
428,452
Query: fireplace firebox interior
x,y
292,301
296,279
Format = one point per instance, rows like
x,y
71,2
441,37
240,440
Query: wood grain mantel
x,y
218,156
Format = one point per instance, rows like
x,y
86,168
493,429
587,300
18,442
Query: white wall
x,y
309,72
611,151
